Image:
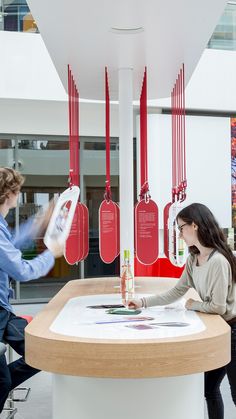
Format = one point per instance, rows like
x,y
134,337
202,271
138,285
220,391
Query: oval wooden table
x,y
96,378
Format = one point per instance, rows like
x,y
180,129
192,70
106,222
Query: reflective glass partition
x,y
44,161
224,36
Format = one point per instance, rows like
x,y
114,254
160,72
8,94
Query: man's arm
x,y
16,267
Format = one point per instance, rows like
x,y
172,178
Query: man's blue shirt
x,y
13,265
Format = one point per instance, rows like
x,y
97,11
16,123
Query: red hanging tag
x,y
146,231
108,233
74,243
165,227
85,231
77,245
118,228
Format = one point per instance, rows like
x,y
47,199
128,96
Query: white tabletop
x,y
76,319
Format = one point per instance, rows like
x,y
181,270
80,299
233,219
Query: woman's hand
x,y
135,304
188,303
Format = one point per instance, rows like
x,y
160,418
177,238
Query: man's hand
x,y
42,218
56,248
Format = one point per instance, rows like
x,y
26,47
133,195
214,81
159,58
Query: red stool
x,y
12,398
27,318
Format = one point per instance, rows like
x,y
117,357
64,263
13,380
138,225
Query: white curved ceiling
x,y
80,33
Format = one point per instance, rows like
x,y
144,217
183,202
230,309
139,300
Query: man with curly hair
x,y
13,265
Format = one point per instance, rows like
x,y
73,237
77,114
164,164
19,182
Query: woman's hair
x,y
10,181
209,233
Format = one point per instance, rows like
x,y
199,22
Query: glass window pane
x,y
36,157
100,146
16,16
7,153
224,36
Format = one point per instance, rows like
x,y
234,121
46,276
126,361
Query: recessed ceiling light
x,y
127,31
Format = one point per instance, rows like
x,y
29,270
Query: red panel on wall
x,y
162,267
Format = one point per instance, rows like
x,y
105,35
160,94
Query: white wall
x,y
27,71
208,156
33,117
212,85
51,118
32,97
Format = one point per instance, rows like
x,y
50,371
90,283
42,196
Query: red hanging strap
x,y
144,192
174,146
70,116
184,179
146,244
77,138
73,130
181,132
107,194
177,145
179,182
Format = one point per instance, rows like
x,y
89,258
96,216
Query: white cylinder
x,y
102,398
126,163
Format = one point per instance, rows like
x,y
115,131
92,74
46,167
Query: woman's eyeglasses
x,y
180,228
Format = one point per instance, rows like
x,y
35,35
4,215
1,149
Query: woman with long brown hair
x,y
211,270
